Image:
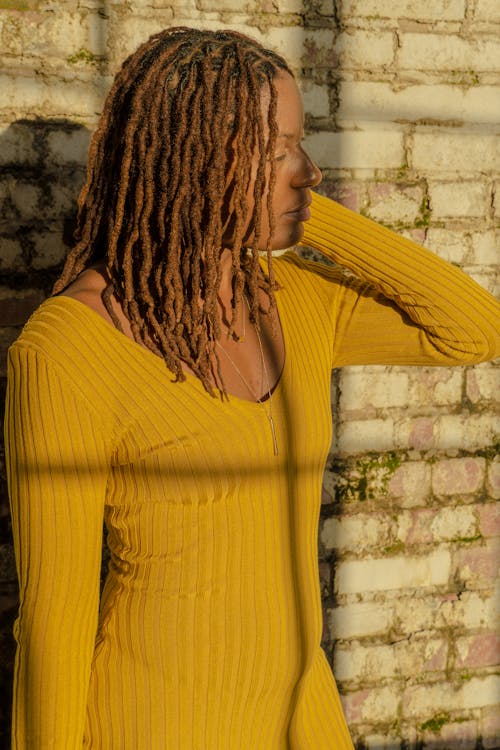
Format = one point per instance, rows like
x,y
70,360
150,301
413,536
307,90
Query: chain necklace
x,y
267,412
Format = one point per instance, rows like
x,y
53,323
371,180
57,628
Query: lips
x,y
301,213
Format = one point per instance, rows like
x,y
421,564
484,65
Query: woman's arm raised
x,y
405,305
57,461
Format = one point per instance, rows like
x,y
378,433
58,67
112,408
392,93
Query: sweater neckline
x,y
157,360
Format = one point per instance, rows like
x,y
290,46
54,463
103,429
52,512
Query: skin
x,y
296,174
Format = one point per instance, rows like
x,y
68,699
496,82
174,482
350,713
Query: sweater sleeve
x,y
57,470
404,305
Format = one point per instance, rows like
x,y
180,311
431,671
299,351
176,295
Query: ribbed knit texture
x,y
208,636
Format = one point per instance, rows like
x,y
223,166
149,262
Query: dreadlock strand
x,y
172,155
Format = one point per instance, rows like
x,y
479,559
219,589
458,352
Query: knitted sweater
x,y
207,634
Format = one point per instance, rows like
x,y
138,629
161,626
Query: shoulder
x,y
313,279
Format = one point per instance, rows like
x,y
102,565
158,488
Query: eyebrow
x,y
288,135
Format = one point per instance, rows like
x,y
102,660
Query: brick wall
x,y
401,99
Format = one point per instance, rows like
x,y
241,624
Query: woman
x,y
177,385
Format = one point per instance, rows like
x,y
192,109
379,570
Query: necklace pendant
x,y
273,432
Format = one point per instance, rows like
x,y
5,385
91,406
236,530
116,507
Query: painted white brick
x,y
394,203
462,151
11,255
51,96
467,432
359,620
430,699
454,523
363,149
364,49
459,199
370,100
487,10
486,247
360,390
50,250
411,483
363,663
438,10
314,98
69,147
447,52
483,383
437,385
452,245
17,145
393,573
358,436
355,533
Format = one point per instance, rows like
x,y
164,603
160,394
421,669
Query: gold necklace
x,y
269,414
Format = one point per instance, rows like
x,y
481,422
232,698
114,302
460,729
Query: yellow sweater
x,y
208,631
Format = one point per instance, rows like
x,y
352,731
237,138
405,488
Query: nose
x,y
308,174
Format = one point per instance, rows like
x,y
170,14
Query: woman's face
x,y
294,170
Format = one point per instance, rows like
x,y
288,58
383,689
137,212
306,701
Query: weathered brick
x,y
359,620
458,476
477,567
458,523
349,149
284,6
427,700
364,49
364,663
11,257
360,390
359,436
459,735
50,250
449,10
459,199
16,144
452,245
447,52
355,533
482,383
16,307
375,705
25,197
490,727
414,527
489,519
437,524
418,433
469,433
411,483
435,386
470,610
455,151
393,573
315,98
375,100
487,10
394,203
480,650
51,96
485,247
349,193
68,147
493,479
382,742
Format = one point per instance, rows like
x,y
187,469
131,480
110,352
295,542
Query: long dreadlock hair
x,y
169,169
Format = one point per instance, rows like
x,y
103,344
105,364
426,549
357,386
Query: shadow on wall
x,y
42,168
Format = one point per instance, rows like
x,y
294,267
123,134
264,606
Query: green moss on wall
x,y
436,723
